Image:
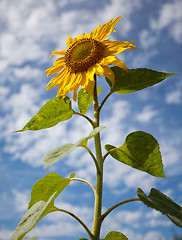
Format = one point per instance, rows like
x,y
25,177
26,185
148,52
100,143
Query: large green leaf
x,y
45,187
162,203
136,79
140,151
30,219
85,100
113,235
43,195
58,153
54,111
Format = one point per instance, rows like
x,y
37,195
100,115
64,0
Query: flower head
x,y
87,55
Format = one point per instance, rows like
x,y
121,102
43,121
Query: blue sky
x,y
30,31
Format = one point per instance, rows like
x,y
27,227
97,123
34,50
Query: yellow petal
x,y
117,62
78,80
56,80
86,35
116,47
54,69
95,31
105,71
70,80
88,80
76,85
106,29
63,52
75,93
69,41
62,90
78,38
53,82
89,87
114,61
59,60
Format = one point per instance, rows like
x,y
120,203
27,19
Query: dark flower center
x,y
83,54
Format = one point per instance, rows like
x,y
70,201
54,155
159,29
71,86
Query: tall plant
x,y
86,57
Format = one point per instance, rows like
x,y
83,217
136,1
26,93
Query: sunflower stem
x,y
99,185
117,205
84,116
78,219
105,99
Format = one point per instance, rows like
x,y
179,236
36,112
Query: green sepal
x,y
141,151
162,203
58,153
136,79
85,100
113,235
43,195
54,111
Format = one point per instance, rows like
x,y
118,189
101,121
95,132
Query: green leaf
x,y
136,79
140,151
115,236
30,219
58,153
43,195
46,187
85,100
99,90
72,175
162,203
54,111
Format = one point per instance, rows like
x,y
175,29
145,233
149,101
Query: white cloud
x,y
176,31
170,148
17,51
153,235
142,58
128,217
118,111
155,218
147,114
27,73
56,230
3,92
5,234
147,39
170,16
21,200
117,8
131,227
174,96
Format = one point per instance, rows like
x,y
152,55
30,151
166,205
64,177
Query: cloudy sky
x,y
30,31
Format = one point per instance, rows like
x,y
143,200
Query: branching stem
x,y
104,100
79,220
85,116
110,151
93,157
85,181
117,205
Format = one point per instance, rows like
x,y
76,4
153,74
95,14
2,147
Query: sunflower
x,y
87,55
